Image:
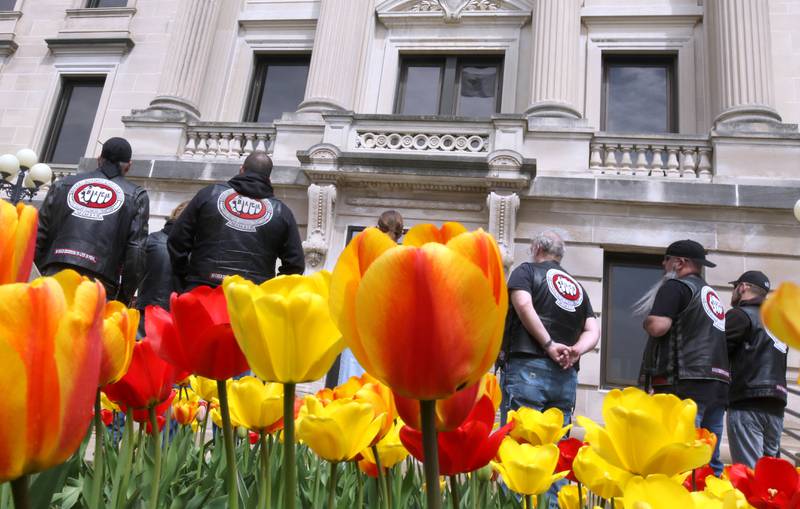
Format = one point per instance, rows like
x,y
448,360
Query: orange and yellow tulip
x,y
255,405
425,318
17,241
119,336
50,352
781,314
450,411
185,407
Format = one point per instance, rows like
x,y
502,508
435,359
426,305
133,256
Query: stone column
x,y
503,223
739,42
340,45
188,56
555,72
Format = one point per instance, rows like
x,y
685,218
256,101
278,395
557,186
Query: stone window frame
x,y
261,60
682,36
67,68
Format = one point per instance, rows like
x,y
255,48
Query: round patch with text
x,y
95,198
567,292
713,307
243,213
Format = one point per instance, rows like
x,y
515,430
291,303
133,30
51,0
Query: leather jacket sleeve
x,y
46,226
133,267
293,260
181,241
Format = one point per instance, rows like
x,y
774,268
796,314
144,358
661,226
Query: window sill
x,y
97,23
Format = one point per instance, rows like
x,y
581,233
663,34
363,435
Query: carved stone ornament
x,y
452,9
321,200
503,223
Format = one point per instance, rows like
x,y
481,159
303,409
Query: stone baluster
x,y
687,165
626,162
236,146
704,164
202,145
657,166
641,161
224,145
191,144
672,163
596,158
213,145
261,142
611,159
248,144
188,56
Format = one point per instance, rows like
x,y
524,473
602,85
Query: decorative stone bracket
x,y
503,223
321,201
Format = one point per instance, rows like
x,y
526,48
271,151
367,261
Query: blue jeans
x,y
348,366
753,434
539,384
711,419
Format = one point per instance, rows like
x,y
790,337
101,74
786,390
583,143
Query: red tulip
x,y
700,475
196,334
567,450
148,381
467,448
107,416
160,419
143,415
774,484
450,412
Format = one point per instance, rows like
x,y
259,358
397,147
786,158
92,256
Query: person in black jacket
x,y
96,224
237,227
758,374
157,284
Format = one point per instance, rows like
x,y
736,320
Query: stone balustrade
x,y
226,141
422,142
665,156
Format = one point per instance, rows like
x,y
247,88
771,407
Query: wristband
x,y
547,345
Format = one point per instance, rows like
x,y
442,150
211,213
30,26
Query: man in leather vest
x,y
96,224
758,374
158,282
237,227
549,326
686,353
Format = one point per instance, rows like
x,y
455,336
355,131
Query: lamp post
x,y
21,175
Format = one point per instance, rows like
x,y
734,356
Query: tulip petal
x,y
18,226
422,234
656,492
781,313
454,318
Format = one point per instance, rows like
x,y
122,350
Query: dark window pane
x,y
7,5
279,86
107,3
638,98
624,338
477,90
74,119
421,90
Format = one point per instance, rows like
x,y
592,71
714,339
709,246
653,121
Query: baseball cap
x,y
754,277
689,249
117,150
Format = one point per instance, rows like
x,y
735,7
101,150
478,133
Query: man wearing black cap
x,y
758,374
686,353
237,227
96,224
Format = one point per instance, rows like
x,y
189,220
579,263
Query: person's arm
x,y
523,305
181,241
588,338
133,266
671,299
43,233
737,328
657,326
293,260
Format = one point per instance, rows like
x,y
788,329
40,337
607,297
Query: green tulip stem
x,y
332,486
359,490
454,491
266,478
19,491
202,457
383,486
230,452
156,458
289,460
123,470
473,488
431,453
99,454
528,502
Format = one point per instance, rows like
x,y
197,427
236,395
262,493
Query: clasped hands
x,y
563,355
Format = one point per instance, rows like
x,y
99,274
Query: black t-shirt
x,y
671,299
522,279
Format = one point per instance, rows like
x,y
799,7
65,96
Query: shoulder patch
x,y
563,287
713,307
95,198
243,213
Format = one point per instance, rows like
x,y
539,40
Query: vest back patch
x,y
95,198
243,213
567,292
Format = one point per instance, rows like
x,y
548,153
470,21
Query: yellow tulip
x,y
256,405
490,386
339,431
598,475
17,241
204,387
119,336
537,428
390,449
656,492
527,469
568,497
284,327
647,434
723,491
107,404
781,314
50,356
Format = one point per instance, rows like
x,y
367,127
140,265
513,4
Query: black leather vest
x,y
157,285
237,235
561,303
90,222
758,369
695,347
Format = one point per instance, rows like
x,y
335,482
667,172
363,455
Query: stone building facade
x,y
623,124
